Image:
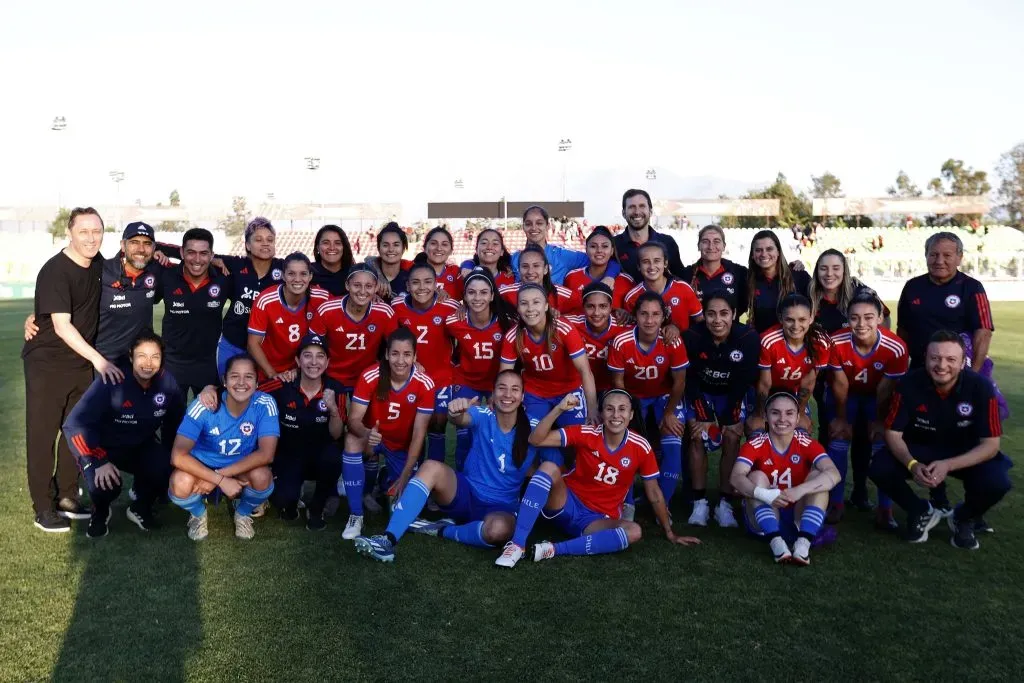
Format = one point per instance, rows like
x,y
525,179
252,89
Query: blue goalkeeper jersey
x,y
222,439
490,467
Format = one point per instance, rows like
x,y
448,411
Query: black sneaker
x,y
144,519
918,526
289,514
52,523
98,523
69,508
983,527
315,522
859,500
963,534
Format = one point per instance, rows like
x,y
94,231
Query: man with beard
x,y
636,209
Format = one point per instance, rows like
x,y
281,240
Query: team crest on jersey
x,y
450,279
437,320
276,273
309,315
322,405
411,398
625,462
214,290
737,355
371,328
659,359
675,301
952,301
878,366
554,346
159,399
727,278
964,409
497,336
246,428
150,281
795,458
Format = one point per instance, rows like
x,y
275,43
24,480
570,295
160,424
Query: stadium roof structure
x,y
871,206
501,209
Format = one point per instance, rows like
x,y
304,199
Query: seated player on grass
x,y
587,502
784,475
480,502
229,448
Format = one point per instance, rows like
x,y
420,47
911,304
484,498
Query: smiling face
x,y
649,319
536,227
796,320
533,308
401,357
711,245
598,309
766,254
830,273
943,260
488,248
261,244
864,321
637,212
390,249
86,235
508,393
361,289
240,380
312,361
719,317
478,296
297,277
146,361
331,248
782,416
422,286
196,255
532,267
438,248
599,250
944,362
138,251
652,264
616,414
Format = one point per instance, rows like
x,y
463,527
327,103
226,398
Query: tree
x,y
173,226
957,179
826,185
175,198
234,224
904,187
59,226
1011,188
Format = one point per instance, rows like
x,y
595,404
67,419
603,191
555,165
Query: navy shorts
x,y
574,517
466,507
658,404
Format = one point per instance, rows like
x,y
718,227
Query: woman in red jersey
x,y
491,255
438,245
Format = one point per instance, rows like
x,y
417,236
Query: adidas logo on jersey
x,y
215,432
279,321
291,404
781,361
849,363
178,292
468,337
126,404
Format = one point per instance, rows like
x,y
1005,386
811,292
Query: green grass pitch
x,y
294,605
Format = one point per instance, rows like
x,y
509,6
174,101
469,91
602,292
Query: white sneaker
x,y
543,551
724,515
353,527
628,512
197,528
371,505
243,527
780,551
510,555
699,516
802,552
132,496
259,511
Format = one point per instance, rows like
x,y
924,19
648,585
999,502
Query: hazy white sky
x,y
399,98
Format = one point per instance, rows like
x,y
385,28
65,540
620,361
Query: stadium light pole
x,y
313,163
651,176
564,145
59,124
459,184
117,177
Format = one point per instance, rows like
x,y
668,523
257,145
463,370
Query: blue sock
x,y
467,534
251,498
884,501
671,466
597,543
194,504
463,440
534,499
353,474
408,508
811,520
839,453
766,519
435,446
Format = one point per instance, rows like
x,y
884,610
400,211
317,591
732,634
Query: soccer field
x,y
297,605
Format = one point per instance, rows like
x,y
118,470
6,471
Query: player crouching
x,y
784,476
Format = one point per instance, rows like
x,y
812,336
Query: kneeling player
x,y
482,498
229,448
587,502
784,475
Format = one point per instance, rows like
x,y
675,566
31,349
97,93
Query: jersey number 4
x,y
783,480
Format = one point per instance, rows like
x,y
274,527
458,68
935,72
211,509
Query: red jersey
x,y
623,283
784,470
602,477
597,345
646,374
450,280
280,326
433,347
788,367
352,344
888,358
562,300
547,372
679,297
576,280
479,352
398,413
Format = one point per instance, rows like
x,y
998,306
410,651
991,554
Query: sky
x,y
399,99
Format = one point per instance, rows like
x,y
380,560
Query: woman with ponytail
x,y
491,255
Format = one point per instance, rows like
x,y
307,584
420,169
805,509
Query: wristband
x,y
910,465
766,496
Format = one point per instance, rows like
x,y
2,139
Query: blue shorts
x,y
859,409
574,517
466,507
658,404
225,352
394,463
720,404
441,397
537,407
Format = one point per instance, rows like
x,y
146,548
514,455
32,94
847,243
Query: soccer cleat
x,y
353,527
198,529
983,527
780,551
98,524
378,547
260,509
69,508
371,505
144,519
543,551
289,513
628,512
243,527
699,516
510,555
428,528
884,520
52,523
724,515
918,526
963,534
315,522
801,552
